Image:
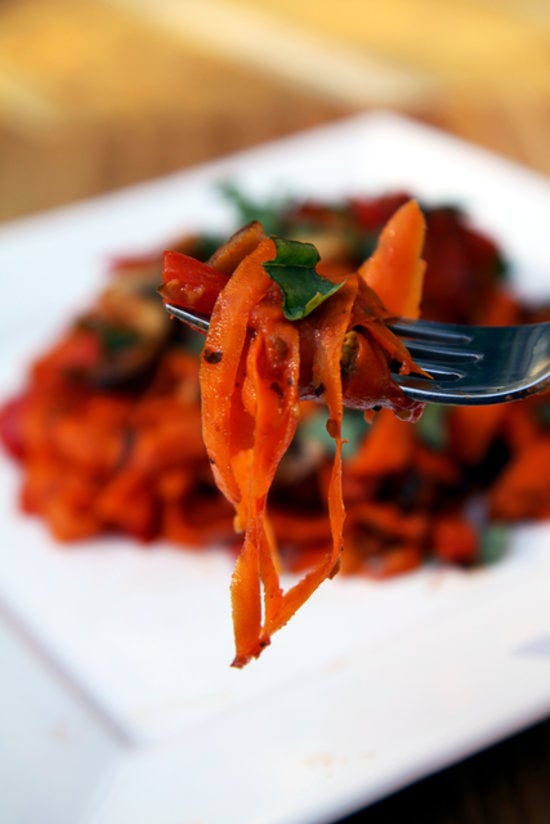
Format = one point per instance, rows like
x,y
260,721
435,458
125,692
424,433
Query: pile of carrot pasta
x,y
111,437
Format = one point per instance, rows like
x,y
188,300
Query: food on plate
x,y
107,426
284,327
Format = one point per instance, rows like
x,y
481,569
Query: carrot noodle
x,y
250,376
110,425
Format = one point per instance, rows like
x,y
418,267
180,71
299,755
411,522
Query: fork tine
x,y
428,330
435,372
197,322
440,354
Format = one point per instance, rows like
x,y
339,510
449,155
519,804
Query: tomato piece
x,y
189,283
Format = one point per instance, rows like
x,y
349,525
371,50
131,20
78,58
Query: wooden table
x,y
102,93
97,95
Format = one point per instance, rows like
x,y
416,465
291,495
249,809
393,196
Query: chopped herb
x,y
293,269
112,338
493,543
269,213
115,339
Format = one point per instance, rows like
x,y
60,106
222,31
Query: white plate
x,y
120,700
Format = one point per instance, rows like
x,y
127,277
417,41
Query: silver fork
x,y
468,365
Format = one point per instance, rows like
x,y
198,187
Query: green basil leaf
x,y
293,269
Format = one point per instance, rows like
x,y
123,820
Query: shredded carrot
x,y
396,270
388,449
250,386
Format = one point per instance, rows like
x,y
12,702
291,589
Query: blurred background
x,y
98,94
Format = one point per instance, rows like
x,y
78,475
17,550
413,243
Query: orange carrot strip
x,y
254,392
275,380
395,271
522,491
388,448
454,539
472,430
396,560
240,245
227,428
332,322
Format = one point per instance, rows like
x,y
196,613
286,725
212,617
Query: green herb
x,y
113,338
293,269
313,429
494,540
269,213
117,338
432,427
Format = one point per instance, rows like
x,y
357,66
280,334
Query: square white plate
x,y
120,704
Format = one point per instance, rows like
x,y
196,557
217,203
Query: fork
x,y
467,365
